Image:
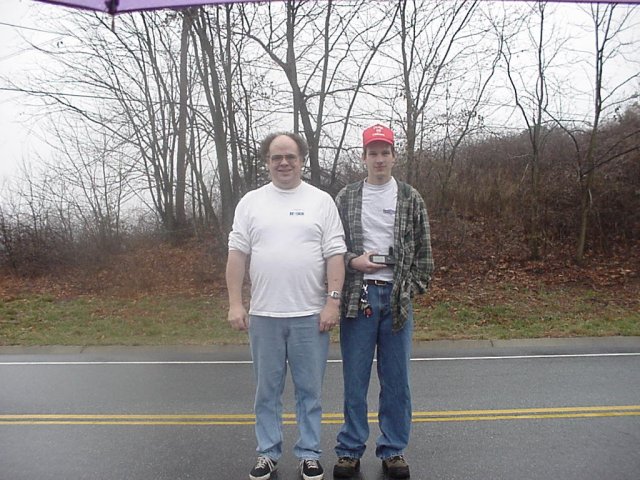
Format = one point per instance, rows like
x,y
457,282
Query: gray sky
x,y
18,138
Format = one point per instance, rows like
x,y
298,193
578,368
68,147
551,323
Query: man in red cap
x,y
388,260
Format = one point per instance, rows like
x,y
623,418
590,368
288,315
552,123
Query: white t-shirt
x,y
378,220
289,235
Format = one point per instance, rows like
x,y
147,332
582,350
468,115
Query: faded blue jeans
x,y
298,343
359,338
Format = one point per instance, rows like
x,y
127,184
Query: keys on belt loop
x,y
365,306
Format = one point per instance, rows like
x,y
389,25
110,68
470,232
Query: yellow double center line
x,y
328,418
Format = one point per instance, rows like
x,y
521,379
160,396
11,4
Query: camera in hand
x,y
384,259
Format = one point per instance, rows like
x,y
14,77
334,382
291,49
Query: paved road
x,y
542,409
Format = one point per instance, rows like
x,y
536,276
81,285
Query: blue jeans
x,y
276,342
359,338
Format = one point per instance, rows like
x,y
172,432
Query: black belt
x,y
380,283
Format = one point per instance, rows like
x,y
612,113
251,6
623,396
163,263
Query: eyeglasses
x,y
289,157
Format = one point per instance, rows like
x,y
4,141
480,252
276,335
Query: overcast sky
x,y
19,25
17,19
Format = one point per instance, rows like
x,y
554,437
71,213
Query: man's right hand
x,y
238,318
364,264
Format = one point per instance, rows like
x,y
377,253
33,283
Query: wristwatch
x,y
334,294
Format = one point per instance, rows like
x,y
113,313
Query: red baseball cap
x,y
377,133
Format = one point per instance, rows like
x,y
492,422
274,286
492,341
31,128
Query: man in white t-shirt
x,y
292,233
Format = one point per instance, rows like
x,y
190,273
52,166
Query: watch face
x,y
334,294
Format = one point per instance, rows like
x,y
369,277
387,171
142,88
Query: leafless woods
x,y
500,114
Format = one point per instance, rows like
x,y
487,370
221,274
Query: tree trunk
x,y
181,160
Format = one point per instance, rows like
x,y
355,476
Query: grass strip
x,y
201,320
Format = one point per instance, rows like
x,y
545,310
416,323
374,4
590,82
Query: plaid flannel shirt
x,y
412,249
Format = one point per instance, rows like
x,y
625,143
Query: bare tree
x,y
610,24
127,83
531,97
181,153
89,182
217,44
314,47
431,39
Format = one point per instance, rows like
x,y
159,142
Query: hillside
x,y
477,268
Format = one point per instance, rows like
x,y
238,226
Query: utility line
x,y
22,27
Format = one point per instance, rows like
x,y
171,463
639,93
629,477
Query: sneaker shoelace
x,y
311,463
264,462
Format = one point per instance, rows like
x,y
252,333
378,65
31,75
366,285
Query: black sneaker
x,y
311,470
263,469
396,467
346,467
